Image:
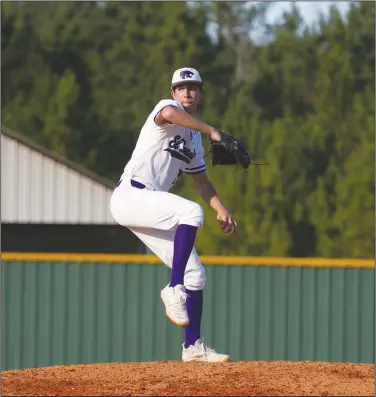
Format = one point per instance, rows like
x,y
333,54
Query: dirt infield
x,y
173,378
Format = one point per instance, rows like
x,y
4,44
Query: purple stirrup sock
x,y
183,244
194,308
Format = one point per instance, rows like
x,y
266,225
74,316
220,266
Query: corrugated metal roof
x,y
39,186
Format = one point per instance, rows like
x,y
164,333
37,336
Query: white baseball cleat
x,y
174,299
200,352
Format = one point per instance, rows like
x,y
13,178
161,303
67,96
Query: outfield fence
x,y
63,309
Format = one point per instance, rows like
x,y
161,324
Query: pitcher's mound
x,y
173,378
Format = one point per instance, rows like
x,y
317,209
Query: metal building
x,y
39,186
50,204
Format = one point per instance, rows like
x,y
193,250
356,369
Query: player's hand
x,y
215,135
227,223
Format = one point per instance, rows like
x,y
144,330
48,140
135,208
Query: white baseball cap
x,y
185,75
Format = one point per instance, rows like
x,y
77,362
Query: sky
x,y
309,9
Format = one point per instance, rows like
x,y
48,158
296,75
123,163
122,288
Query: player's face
x,y
188,95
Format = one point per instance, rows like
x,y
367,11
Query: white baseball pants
x,y
153,217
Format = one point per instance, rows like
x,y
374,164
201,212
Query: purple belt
x,y
134,183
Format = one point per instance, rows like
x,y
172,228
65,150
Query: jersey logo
x,y
178,150
186,74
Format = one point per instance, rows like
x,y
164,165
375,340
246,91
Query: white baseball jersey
x,y
164,152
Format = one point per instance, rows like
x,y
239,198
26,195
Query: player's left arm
x,y
210,195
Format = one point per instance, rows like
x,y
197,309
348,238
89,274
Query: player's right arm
x,y
177,116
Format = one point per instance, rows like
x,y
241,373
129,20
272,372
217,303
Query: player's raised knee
x,y
193,215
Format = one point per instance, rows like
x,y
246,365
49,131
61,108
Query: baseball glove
x,y
229,150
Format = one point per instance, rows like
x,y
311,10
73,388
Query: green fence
x,y
83,312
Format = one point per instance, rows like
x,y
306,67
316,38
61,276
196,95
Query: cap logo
x,y
186,74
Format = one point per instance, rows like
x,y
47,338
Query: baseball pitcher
x,y
168,146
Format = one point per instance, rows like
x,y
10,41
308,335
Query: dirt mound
x,y
174,378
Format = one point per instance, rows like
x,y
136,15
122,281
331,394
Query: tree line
x,y
81,77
